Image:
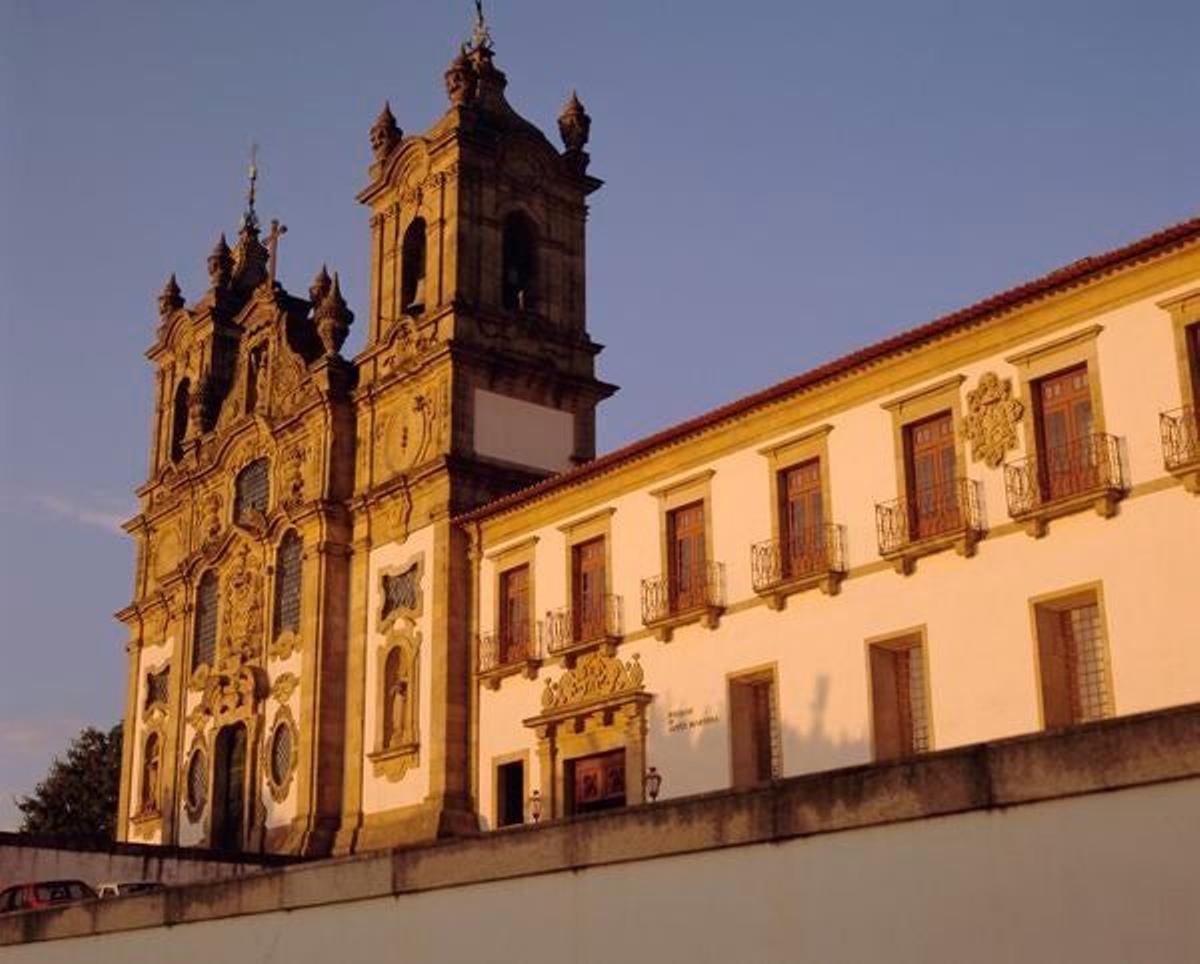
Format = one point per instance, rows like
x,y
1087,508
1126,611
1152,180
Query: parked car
x,y
45,893
125,888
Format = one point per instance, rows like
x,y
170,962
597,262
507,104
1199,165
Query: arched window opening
x,y
412,268
179,418
288,563
520,262
150,771
204,647
250,490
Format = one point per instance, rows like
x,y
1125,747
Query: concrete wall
x,y
24,858
1075,846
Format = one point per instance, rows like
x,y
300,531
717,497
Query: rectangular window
x,y
687,580
900,718
589,584
754,729
801,519
596,782
1063,404
515,623
510,794
1072,654
1192,337
931,463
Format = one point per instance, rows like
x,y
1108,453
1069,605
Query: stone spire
x,y
220,264
171,299
320,286
461,80
574,127
333,318
385,134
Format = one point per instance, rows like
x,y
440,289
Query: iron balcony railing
x,y
602,618
1089,465
935,510
701,587
810,552
1180,437
509,647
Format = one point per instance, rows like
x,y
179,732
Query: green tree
x,y
79,795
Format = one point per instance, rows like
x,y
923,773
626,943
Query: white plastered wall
x,y
975,611
379,793
523,433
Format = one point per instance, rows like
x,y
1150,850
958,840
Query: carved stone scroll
x,y
992,418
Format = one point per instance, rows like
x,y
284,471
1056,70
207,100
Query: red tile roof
x,y
1061,279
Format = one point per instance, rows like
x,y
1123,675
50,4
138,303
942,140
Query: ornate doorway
x,y
229,789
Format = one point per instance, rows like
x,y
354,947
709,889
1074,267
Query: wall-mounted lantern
x,y
653,783
535,805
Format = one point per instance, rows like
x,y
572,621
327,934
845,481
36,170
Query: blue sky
x,y
785,182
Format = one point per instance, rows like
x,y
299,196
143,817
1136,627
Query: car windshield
x,y
59,890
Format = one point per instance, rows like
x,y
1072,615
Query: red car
x,y
46,893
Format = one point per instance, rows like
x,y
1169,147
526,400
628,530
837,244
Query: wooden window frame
x,y
916,636
695,488
766,673
596,525
505,560
1033,366
781,457
1059,601
1184,311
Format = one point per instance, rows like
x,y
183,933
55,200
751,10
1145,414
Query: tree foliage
x,y
79,795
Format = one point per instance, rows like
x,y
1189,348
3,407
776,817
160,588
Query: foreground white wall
x,y
1108,877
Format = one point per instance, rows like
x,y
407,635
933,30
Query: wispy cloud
x,y
90,515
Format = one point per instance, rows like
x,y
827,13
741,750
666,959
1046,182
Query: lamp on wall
x,y
535,805
653,783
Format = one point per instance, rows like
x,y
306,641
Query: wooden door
x,y
229,790
514,615
598,782
932,476
1069,453
589,579
802,519
687,581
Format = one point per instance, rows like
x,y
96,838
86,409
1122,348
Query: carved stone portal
x,y
595,677
992,417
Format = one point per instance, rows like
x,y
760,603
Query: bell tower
x,y
478,379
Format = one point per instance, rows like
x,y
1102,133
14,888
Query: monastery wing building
x,y
398,597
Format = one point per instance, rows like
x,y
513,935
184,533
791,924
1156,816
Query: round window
x,y
197,781
281,754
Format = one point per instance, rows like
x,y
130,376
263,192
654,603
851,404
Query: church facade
x,y
398,597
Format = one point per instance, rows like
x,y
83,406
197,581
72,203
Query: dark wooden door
x,y
1069,453
687,581
932,476
588,564
802,519
514,614
229,790
1193,350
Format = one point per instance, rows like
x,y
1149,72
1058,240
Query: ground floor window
x,y
1073,659
899,704
510,794
754,729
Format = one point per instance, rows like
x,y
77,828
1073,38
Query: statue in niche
x,y
399,691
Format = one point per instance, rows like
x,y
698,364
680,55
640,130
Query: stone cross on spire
x,y
277,231
250,218
482,38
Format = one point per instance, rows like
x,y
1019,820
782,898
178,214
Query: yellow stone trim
x,y
501,557
1185,312
602,517
672,492
1057,345
932,393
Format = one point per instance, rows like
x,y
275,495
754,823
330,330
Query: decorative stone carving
x,y
199,717
285,684
171,299
280,754
233,691
385,135
293,476
595,677
992,417
242,607
284,645
461,80
211,521
333,318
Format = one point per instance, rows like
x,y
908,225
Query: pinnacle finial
x,y
333,318
385,134
482,37
574,127
250,217
320,286
220,263
171,299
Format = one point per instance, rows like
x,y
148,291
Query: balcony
x,y
1181,445
573,630
813,557
696,595
1085,472
930,520
507,653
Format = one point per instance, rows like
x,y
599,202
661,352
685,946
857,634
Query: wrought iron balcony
x,y
677,598
571,629
930,519
510,650
1065,478
814,556
1181,438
